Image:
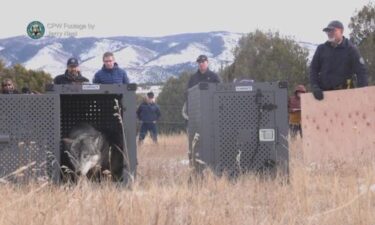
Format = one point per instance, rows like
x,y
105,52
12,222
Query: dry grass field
x,y
332,194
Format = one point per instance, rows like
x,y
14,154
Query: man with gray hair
x,y
337,64
110,73
203,74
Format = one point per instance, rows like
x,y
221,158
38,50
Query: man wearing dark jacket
x,y
110,73
337,64
148,112
204,74
72,74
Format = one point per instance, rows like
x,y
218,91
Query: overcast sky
x,y
301,19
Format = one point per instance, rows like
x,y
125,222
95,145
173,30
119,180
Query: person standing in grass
x,y
149,113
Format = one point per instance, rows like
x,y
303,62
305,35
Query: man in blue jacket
x,y
337,64
148,112
110,73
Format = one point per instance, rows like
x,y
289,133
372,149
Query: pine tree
x,y
268,57
171,100
362,26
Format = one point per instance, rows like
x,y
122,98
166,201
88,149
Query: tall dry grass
x,y
332,194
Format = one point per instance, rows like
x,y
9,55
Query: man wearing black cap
x,y
204,74
148,112
337,64
72,74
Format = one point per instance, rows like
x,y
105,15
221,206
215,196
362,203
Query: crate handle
x,y
4,138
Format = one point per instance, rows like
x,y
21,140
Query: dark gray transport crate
x,y
29,137
41,121
242,127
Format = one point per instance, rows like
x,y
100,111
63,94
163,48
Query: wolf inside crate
x,y
89,153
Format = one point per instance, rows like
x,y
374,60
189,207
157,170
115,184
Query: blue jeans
x,y
151,127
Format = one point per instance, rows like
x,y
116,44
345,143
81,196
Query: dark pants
x,y
151,127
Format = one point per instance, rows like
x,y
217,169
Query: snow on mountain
x,y
171,45
156,89
310,47
133,56
128,57
3,59
146,59
157,74
90,67
184,56
51,58
100,48
154,74
230,43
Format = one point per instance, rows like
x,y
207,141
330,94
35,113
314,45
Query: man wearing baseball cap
x,y
148,113
337,64
72,74
204,74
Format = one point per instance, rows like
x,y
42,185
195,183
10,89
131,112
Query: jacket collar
x,y
343,44
71,77
205,73
115,67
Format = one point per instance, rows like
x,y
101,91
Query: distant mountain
x,y
146,59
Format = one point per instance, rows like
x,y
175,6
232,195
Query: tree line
x,y
268,56
22,77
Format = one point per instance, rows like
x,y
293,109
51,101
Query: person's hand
x,y
318,94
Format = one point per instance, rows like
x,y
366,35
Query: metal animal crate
x,y
241,127
32,126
